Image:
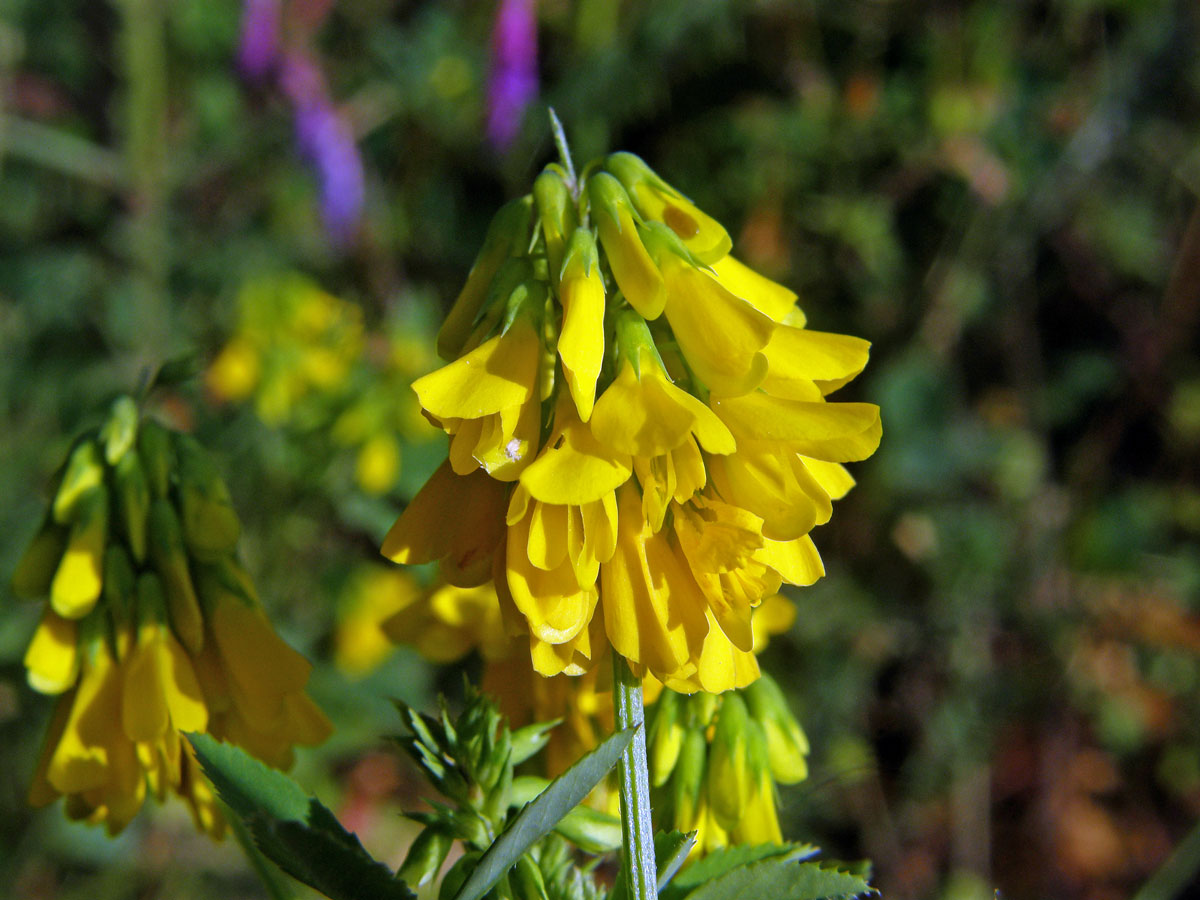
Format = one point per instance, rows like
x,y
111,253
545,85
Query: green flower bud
x,y
687,780
169,557
665,737
557,214
507,235
120,431
133,502
425,857
657,201
80,574
730,779
458,874
635,272
526,881
786,743
210,524
83,476
154,447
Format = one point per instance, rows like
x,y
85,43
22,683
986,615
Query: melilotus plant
x,y
641,441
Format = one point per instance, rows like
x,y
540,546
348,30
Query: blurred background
x,y
1000,675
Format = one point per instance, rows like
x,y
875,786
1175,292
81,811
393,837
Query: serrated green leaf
x,y
294,830
247,785
782,879
671,849
724,859
541,815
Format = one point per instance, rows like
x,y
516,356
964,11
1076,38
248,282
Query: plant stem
x,y
564,151
634,773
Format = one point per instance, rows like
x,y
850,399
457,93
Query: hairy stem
x,y
636,829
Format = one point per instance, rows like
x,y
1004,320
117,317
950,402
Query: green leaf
x,y
541,815
782,879
725,859
294,830
671,849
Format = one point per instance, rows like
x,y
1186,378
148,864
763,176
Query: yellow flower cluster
x,y
640,436
298,352
152,630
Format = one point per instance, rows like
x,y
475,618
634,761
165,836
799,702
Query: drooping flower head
x,y
641,438
152,630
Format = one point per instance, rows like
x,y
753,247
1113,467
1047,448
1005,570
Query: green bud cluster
x,y
469,759
616,223
715,759
140,519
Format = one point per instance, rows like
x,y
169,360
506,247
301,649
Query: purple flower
x,y
258,47
326,142
512,77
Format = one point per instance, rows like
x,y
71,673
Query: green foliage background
x,y
999,675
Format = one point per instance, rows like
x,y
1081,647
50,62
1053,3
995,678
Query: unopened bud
x,y
425,857
786,743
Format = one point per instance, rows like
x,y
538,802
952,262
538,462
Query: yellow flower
x,y
581,341
656,504
52,660
456,521
488,402
448,622
146,646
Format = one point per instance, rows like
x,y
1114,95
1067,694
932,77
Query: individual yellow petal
x,y
458,521
581,340
832,477
547,548
704,236
508,440
836,432
79,577
574,467
654,612
765,479
144,713
52,660
307,724
775,615
803,356
797,561
500,373
80,761
647,415
553,603
261,667
761,292
185,699
721,335
634,271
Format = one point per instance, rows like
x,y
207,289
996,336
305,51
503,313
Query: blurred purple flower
x,y
326,142
512,77
258,46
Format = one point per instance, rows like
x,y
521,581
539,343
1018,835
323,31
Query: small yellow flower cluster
x,y
152,630
640,436
715,761
298,352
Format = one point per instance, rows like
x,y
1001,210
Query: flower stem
x,y
636,829
564,151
